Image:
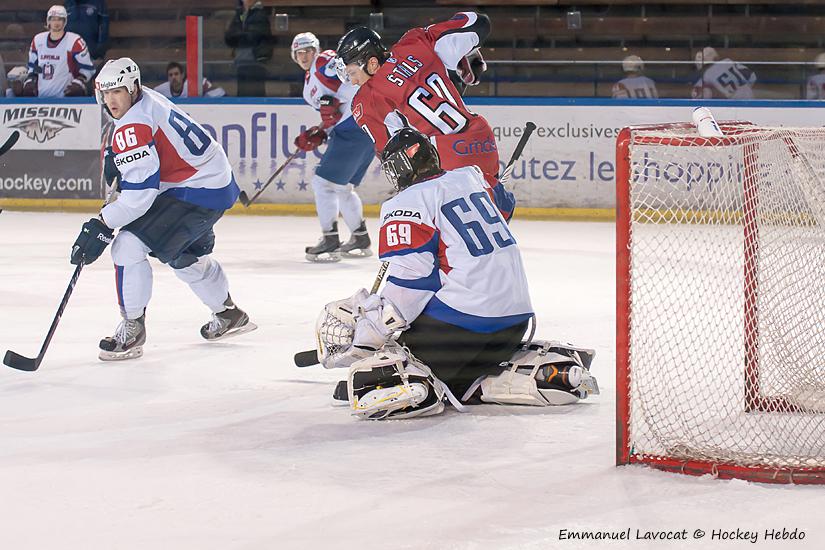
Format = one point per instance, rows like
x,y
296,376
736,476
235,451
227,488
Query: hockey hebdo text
x,y
768,535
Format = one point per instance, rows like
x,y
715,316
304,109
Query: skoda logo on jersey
x,y
402,214
463,147
42,123
120,160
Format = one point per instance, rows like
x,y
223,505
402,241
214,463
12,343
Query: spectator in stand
x,y
175,85
634,85
89,19
816,83
725,79
59,63
250,35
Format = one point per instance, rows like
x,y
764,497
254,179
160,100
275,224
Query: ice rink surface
x,y
228,445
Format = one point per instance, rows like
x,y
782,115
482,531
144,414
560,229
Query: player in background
x,y
175,184
59,63
410,87
347,157
447,248
722,79
175,85
634,85
815,88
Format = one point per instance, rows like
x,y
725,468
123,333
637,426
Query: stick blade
x,y
244,198
306,358
17,361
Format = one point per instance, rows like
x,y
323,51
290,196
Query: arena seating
x,y
153,33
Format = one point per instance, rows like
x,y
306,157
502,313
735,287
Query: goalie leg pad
x,y
392,384
541,373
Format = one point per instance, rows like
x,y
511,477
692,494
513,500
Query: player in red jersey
x,y
410,86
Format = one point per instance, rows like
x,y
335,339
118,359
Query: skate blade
x,y
237,331
325,258
357,253
132,353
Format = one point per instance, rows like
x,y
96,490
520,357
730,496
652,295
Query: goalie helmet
x,y
633,64
56,11
117,73
302,41
707,56
359,45
409,157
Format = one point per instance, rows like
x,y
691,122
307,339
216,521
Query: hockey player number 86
x,y
473,231
186,129
126,139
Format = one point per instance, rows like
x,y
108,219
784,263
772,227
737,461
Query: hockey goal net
x,y
721,301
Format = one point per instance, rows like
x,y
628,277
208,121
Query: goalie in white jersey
x,y
722,79
59,62
175,183
457,290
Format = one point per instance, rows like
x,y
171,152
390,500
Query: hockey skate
x,y
232,321
328,249
127,343
358,245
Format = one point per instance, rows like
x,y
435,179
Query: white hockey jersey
x,y
159,149
635,87
57,63
452,256
321,79
816,87
725,79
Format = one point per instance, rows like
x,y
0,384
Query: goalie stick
x,y
19,362
12,139
310,357
246,200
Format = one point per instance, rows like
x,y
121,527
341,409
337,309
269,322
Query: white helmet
x,y
819,62
706,57
303,41
117,73
56,11
633,64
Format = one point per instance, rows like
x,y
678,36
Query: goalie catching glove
x,y
354,328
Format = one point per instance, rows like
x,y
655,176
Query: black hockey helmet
x,y
359,44
409,157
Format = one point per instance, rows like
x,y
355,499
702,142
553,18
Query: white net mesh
x,y
727,296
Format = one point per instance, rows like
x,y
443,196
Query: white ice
x,y
229,446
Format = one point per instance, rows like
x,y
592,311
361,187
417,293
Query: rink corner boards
x,y
271,209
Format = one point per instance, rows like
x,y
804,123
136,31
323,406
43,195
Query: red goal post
x,y
720,301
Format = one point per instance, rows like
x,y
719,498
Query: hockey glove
x,y
77,87
30,86
310,139
110,171
330,111
471,67
94,237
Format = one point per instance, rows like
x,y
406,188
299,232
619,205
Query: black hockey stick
x,y
12,139
246,200
310,357
17,361
508,170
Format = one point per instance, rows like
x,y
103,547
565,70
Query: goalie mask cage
x,y
720,301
